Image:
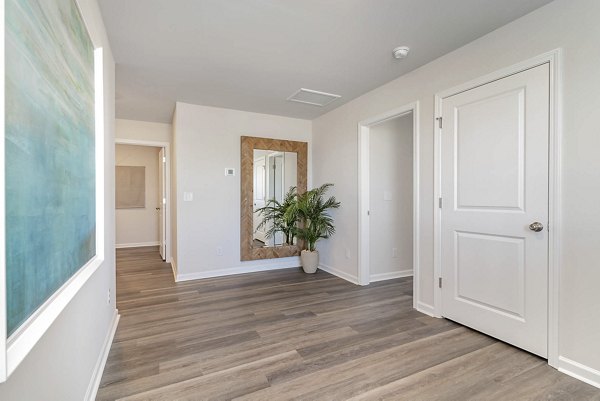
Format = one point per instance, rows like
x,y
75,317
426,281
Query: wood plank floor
x,y
285,335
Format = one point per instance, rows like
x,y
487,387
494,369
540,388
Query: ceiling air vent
x,y
315,98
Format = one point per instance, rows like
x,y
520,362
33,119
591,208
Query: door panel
x,y
497,150
494,283
278,194
260,193
494,171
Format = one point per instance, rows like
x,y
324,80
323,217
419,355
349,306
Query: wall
x,y
142,131
139,227
391,198
61,365
570,25
174,197
206,141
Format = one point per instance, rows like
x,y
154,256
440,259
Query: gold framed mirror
x,y
269,168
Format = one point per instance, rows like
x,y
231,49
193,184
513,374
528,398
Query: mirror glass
x,y
268,169
275,173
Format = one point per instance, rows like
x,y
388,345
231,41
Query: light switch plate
x,y
387,195
188,196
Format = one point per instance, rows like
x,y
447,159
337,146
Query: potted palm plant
x,y
281,216
315,223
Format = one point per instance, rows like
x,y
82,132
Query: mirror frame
x,y
248,145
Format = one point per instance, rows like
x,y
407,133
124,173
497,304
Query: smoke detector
x,y
400,52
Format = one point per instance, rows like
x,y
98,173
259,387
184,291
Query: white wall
x,y
139,226
60,366
142,130
571,25
390,177
207,140
174,197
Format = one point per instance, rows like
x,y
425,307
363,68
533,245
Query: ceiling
x,y
253,54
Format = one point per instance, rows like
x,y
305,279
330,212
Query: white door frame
x,y
364,128
554,59
167,211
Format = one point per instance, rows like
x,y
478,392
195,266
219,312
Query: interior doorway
x,y
388,196
142,182
390,199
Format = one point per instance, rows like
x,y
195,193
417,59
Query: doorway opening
x,y
142,180
389,196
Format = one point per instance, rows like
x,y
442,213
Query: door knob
x,y
536,226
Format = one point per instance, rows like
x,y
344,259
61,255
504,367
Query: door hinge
x,y
439,120
440,203
164,159
440,282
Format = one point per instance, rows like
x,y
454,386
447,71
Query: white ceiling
x,y
253,54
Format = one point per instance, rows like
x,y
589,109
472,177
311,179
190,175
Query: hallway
x,y
284,334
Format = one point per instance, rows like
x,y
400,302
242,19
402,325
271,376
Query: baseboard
x,y
174,268
137,244
339,273
261,267
391,275
92,390
426,309
579,371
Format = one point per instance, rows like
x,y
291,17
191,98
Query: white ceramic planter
x,y
310,261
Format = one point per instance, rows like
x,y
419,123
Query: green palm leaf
x,y
313,209
280,216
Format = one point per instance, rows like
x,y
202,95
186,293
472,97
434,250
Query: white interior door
x,y
260,193
276,166
162,200
494,175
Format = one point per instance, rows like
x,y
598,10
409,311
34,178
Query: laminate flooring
x,y
286,335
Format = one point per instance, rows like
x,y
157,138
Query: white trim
x,y
579,371
437,216
271,264
137,244
141,142
363,204
174,269
29,333
426,309
339,273
92,390
391,275
22,341
554,204
554,59
3,305
416,204
364,126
